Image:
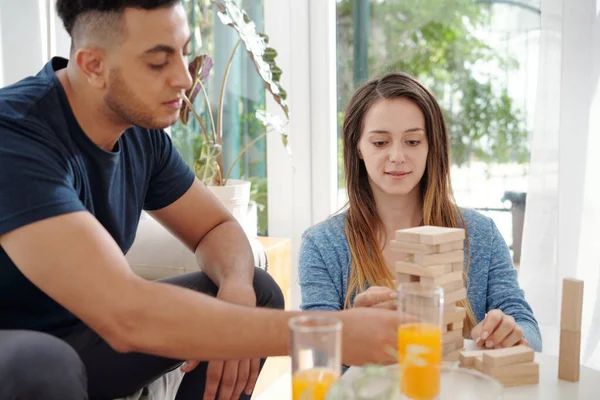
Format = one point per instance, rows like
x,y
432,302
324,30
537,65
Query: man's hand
x,y
370,335
498,330
377,297
230,378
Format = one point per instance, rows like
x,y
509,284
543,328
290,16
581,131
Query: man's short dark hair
x,y
100,16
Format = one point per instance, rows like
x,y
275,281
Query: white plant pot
x,y
235,196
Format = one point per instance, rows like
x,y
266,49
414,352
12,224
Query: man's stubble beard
x,y
128,107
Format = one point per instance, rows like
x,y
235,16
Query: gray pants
x,y
35,365
83,365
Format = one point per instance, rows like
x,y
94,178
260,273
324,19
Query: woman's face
x,y
393,146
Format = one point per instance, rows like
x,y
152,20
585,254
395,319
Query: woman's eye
x,y
413,142
379,144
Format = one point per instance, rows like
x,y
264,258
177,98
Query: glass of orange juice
x,y
420,340
316,344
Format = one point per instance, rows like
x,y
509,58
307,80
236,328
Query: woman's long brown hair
x,y
364,228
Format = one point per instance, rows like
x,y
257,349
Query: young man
x,y
82,153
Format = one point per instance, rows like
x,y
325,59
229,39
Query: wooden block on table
x,y
453,297
467,358
512,355
430,235
418,270
572,305
478,364
437,258
453,315
527,373
569,356
420,248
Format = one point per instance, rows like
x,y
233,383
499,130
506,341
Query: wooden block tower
x,y
435,255
570,330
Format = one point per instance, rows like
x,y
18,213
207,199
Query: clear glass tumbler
x,y
316,345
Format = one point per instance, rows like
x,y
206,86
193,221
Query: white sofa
x,y
157,254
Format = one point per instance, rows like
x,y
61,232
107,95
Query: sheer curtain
x,y
562,222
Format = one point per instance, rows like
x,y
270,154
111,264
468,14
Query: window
x,y
244,94
480,59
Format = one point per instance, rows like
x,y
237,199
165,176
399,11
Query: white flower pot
x,y
235,196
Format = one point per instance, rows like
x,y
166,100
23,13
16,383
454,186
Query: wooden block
x,y
478,364
569,355
437,258
453,286
514,375
458,266
454,345
451,298
509,356
420,248
443,279
455,326
452,336
418,270
430,235
453,356
402,278
572,305
467,358
453,315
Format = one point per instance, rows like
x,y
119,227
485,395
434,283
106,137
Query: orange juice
x,y
312,384
420,360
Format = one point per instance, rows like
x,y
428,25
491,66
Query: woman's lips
x,y
397,174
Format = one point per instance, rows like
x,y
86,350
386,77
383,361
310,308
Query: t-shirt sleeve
x,y
170,177
36,181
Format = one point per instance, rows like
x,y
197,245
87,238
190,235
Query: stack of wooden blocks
x,y
570,330
513,366
435,255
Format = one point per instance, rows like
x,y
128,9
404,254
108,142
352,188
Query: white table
x,y
549,388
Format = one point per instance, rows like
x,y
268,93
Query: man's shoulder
x,y
22,100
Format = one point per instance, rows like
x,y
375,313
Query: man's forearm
x,y
179,323
225,255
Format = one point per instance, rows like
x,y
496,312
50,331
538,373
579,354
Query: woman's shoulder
x,y
332,229
477,224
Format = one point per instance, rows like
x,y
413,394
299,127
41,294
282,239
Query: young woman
x,y
397,165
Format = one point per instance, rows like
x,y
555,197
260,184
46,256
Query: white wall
x,y
28,38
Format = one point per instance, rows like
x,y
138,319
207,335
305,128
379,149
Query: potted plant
x,y
208,165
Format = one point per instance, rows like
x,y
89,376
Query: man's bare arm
x,y
74,260
222,249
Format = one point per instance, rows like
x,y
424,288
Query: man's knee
x,y
37,365
268,292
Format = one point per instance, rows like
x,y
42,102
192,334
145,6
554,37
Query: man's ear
x,y
92,64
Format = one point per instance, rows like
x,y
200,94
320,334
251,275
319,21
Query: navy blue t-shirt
x,y
49,167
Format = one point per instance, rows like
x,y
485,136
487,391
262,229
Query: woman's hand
x,y
377,297
498,330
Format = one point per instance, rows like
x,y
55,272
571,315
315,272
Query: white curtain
x,y
562,222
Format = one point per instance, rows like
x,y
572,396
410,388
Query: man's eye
x,y
157,67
